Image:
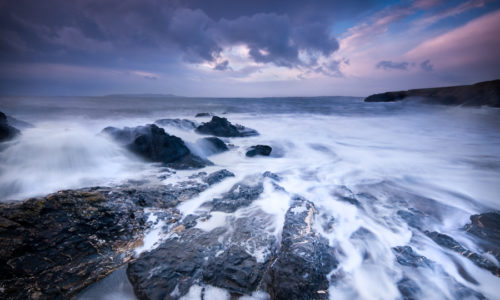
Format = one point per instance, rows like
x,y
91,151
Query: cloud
x,y
390,65
472,47
427,66
450,12
222,66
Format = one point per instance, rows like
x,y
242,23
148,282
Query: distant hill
x,y
482,93
144,95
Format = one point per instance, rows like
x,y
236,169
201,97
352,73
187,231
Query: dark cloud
x,y
390,65
222,66
94,31
427,66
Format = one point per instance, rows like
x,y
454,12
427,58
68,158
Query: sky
x,y
238,48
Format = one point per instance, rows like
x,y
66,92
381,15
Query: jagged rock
x,y
212,145
263,150
184,124
7,132
240,195
153,143
448,242
304,260
223,128
219,257
54,246
218,176
486,227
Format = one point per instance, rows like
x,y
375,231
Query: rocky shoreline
x,y
55,246
483,93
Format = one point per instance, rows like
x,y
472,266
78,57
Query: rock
x,y
203,114
54,246
407,257
184,124
409,289
219,257
263,150
482,93
218,176
304,260
7,132
240,195
20,124
223,128
448,242
153,143
212,145
486,227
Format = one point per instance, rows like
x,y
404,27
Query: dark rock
x,y
240,195
409,289
203,114
212,145
54,246
272,175
263,150
407,257
153,143
448,242
482,93
177,123
219,257
304,260
7,132
223,128
486,227
218,176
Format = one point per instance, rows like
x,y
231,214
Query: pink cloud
x,y
476,44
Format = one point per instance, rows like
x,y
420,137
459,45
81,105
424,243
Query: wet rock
x,y
344,194
409,289
240,195
184,124
7,132
448,242
407,257
486,227
212,145
263,150
304,259
220,257
223,128
272,175
54,246
203,114
218,176
153,143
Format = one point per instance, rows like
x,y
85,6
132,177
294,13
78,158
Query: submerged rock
x,y
407,257
223,128
178,123
218,176
304,260
7,132
212,145
240,195
448,242
153,143
54,246
263,150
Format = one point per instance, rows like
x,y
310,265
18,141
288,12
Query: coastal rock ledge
x,y
483,93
